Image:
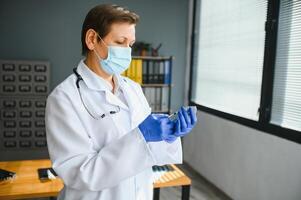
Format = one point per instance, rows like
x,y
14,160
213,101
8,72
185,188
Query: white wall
x,y
245,163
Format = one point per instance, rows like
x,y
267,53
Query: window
x,y
286,107
246,63
229,56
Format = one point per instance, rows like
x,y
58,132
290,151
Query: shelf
x,y
156,85
152,57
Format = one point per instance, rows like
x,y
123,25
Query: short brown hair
x,y
101,17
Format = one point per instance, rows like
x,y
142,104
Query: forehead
x,y
122,30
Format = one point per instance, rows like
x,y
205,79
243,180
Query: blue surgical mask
x,y
118,60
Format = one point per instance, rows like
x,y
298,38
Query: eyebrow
x,y
127,38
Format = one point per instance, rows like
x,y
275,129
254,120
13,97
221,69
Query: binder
x,y
167,78
144,71
139,71
161,72
134,70
152,97
165,98
158,97
150,72
156,71
147,95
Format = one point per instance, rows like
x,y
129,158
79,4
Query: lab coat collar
x,y
92,80
95,82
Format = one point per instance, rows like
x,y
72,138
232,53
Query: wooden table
x,y
28,185
173,179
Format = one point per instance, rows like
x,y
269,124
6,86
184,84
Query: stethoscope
x,y
95,116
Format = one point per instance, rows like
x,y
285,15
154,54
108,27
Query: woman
x,y
102,138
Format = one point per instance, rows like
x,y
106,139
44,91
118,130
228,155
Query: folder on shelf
x,y
158,96
165,98
150,72
149,95
152,93
156,71
139,71
167,75
144,71
161,72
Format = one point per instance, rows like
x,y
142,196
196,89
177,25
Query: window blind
x,y
286,104
229,53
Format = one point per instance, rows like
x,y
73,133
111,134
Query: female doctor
x,y
102,138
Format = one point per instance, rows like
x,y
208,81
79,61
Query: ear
x,y
91,39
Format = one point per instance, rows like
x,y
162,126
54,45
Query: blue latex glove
x,y
157,128
167,137
185,122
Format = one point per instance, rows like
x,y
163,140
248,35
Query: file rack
x,y
24,86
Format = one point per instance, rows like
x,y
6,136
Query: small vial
x,y
174,116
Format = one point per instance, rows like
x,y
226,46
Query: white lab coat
x,y
105,159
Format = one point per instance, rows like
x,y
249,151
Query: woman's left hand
x,y
185,122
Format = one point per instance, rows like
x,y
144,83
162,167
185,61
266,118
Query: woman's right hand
x,y
155,129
